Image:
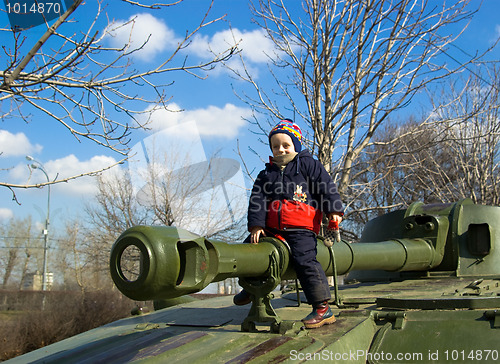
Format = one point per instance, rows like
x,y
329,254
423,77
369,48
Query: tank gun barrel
x,y
390,255
171,262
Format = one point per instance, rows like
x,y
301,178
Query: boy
x,y
289,197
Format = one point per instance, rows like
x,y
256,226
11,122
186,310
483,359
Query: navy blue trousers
x,y
311,275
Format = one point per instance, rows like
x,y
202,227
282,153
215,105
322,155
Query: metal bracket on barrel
x,y
260,292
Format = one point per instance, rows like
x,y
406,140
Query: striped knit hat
x,y
288,127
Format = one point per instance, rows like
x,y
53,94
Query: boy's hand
x,y
333,216
333,225
255,234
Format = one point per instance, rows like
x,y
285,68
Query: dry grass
x,y
28,323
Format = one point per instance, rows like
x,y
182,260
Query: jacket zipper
x,y
281,199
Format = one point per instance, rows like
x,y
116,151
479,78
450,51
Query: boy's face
x,y
281,144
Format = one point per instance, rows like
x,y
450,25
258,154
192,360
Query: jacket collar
x,y
303,153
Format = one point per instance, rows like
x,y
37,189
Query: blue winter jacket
x,y
293,198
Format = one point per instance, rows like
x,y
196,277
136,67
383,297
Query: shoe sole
x,y
242,303
327,321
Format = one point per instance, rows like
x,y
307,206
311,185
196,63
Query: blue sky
x,y
211,103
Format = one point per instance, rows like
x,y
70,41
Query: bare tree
x,y
17,236
72,260
115,209
343,67
28,253
451,155
469,128
388,174
91,89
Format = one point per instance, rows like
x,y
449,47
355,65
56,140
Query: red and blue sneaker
x,y
320,315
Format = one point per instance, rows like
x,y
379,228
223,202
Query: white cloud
x,y
143,31
253,44
256,49
16,144
71,166
153,36
5,214
63,168
212,121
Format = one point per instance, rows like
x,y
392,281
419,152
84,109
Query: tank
x,y
422,285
